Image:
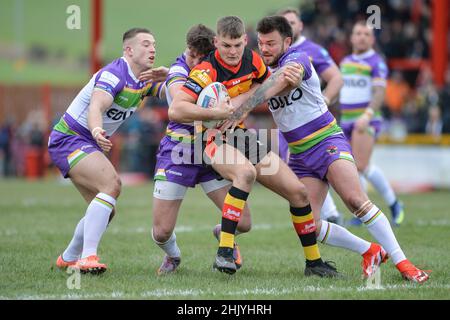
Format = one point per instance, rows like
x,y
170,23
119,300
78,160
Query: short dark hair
x,y
275,23
201,39
362,23
231,26
133,32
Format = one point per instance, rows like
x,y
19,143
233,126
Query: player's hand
x,y
362,123
292,74
223,110
100,137
231,124
156,74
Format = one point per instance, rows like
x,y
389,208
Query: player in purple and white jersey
x,y
327,72
365,73
79,140
320,153
173,179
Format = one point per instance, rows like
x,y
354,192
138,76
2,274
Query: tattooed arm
x,y
285,78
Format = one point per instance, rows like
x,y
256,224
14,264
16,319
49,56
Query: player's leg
x,y
285,183
242,174
217,191
329,210
343,176
335,235
167,198
283,149
73,251
362,146
95,172
218,195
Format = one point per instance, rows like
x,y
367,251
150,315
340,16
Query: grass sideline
x,y
37,221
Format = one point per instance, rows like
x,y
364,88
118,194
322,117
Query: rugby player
x,y
361,98
329,73
242,70
172,178
320,152
79,141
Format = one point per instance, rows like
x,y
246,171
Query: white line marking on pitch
x,y
158,293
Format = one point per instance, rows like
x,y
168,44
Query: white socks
x,y
380,183
328,208
73,251
338,236
170,247
379,227
95,222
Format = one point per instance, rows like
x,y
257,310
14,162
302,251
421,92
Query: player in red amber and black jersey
x,y
242,71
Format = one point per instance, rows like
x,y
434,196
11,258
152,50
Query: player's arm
x,y
379,75
241,98
333,78
100,102
283,80
183,109
378,93
155,74
237,102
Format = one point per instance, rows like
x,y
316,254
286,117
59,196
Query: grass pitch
x,y
37,220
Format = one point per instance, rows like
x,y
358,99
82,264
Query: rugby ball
x,y
210,97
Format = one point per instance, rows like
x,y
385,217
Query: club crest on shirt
x,y
332,150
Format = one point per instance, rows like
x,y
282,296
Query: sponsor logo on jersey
x,y
276,103
86,146
201,77
176,173
359,83
118,115
109,78
192,85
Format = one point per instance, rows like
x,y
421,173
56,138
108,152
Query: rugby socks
x,y
95,222
329,209
381,184
170,247
304,225
363,182
231,213
379,227
73,251
335,235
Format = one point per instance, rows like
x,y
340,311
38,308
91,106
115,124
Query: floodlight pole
x,y
96,34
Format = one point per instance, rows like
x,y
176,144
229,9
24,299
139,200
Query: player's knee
x,y
362,167
298,195
244,226
114,187
246,175
354,201
161,234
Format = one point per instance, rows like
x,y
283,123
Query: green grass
x,y
37,221
44,24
